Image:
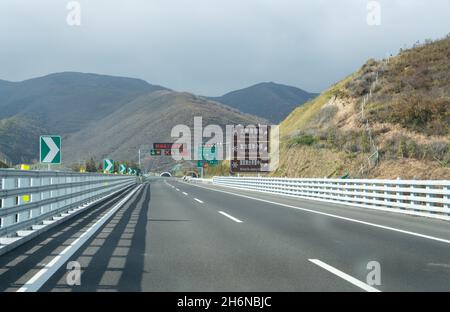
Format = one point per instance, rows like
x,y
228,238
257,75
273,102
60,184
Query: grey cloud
x,y
211,46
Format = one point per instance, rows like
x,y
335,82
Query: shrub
x,y
405,147
304,140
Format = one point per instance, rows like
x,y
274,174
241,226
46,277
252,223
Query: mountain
x,y
19,138
67,102
268,100
5,84
99,116
406,118
147,120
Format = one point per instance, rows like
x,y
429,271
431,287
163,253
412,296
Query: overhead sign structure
x,y
122,169
50,149
108,165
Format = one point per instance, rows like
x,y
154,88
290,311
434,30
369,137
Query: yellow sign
x,y
24,167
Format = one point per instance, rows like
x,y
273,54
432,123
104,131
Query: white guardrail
x,y
414,197
31,199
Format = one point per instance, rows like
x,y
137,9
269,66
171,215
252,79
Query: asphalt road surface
x,y
166,235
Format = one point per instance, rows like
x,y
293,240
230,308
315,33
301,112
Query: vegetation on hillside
x,y
19,138
407,115
415,89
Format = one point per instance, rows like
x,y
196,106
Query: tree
x,y
91,166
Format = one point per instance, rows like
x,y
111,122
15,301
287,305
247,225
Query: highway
x,y
168,235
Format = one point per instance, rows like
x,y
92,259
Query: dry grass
x,y
409,113
302,116
307,161
414,91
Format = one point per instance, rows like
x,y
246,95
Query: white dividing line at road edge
x,y
344,276
185,193
196,199
230,217
442,240
44,274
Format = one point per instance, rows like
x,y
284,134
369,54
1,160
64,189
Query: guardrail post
x,y
24,199
447,206
428,196
53,193
7,184
365,193
45,195
413,195
34,197
398,193
386,194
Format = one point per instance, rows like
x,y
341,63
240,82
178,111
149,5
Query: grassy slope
x,y
412,135
300,118
20,137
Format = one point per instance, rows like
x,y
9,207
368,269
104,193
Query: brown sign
x,y
250,149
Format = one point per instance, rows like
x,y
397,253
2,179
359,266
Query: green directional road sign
x,y
108,165
122,169
50,149
155,152
208,154
132,171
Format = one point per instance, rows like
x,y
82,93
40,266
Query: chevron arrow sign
x,y
108,165
50,149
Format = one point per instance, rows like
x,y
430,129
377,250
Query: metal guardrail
x,y
199,180
27,198
414,197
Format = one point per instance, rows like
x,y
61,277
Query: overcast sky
x,y
210,47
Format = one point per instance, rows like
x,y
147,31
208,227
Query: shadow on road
x,y
113,260
18,265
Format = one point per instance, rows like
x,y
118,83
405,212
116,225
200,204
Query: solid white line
x,y
198,200
231,217
344,276
43,275
185,193
442,240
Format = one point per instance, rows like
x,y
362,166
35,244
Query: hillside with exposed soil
x,y
389,119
